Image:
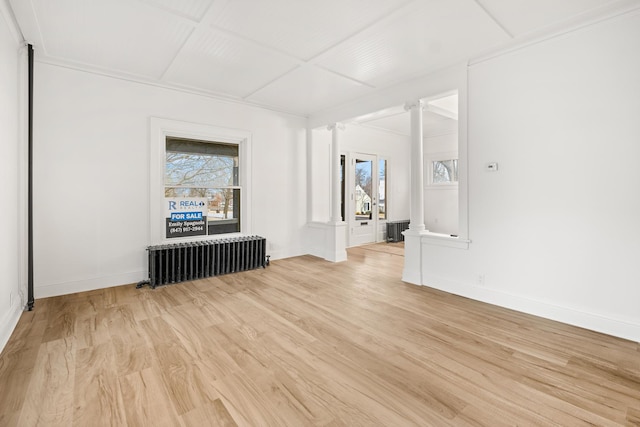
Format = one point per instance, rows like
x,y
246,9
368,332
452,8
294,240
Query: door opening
x,y
367,198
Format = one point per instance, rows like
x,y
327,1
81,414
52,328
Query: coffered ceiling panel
x,y
428,35
299,56
302,28
217,62
308,89
191,9
522,16
121,35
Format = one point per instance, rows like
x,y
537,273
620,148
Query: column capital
x,y
336,126
418,103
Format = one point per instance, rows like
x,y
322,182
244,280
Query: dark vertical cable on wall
x,y
30,298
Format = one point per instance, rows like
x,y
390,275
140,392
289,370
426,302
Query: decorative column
x,y
412,271
337,237
417,166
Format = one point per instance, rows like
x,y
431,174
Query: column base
x,y
336,239
412,272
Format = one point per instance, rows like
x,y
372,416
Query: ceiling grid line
x,y
173,13
40,37
389,16
494,19
269,83
178,52
344,76
196,25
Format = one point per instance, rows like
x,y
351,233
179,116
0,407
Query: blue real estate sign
x,y
186,216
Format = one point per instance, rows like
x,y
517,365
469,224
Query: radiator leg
x,y
143,283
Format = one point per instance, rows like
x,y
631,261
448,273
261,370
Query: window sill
x,y
438,239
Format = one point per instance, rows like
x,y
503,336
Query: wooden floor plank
x,y
306,342
49,399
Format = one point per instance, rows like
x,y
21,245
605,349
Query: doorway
x,y
367,200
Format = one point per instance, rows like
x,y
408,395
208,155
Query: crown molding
x,y
583,20
10,18
90,69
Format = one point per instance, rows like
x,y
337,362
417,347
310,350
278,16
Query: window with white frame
x,y
207,172
442,169
199,176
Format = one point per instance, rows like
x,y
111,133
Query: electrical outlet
x,y
480,279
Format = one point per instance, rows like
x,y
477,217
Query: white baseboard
x,y
617,327
8,324
411,276
56,289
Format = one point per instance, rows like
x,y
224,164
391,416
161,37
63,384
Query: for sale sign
x,y
186,216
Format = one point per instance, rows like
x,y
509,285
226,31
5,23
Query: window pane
x,y
445,171
200,170
382,189
207,170
224,206
363,189
224,210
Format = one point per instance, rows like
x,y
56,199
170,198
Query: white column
x,y
417,167
336,189
336,239
412,271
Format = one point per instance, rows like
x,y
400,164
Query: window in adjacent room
x,y
444,171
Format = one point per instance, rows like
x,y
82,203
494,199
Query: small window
x,y
201,188
444,171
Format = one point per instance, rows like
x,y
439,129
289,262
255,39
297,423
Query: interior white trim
x,y
8,323
608,325
10,19
585,19
89,284
159,129
439,239
92,69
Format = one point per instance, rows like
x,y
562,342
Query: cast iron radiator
x,y
179,262
395,229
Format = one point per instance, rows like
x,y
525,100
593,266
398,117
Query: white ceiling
x,y
299,56
440,116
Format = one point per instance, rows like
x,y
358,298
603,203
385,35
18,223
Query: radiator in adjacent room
x,y
395,229
180,262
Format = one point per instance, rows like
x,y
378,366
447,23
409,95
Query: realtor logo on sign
x,y
186,216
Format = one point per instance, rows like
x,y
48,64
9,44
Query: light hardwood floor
x,y
308,342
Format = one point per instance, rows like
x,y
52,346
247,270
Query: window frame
x,y
440,157
160,129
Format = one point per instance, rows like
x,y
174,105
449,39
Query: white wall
x,y
441,201
91,161
556,230
10,140
320,175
